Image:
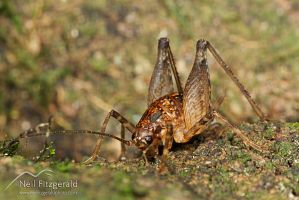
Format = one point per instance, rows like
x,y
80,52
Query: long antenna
x,y
37,132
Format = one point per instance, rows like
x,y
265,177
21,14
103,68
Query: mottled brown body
x,y
177,115
165,110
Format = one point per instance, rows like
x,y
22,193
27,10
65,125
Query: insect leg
x,y
239,133
197,91
161,82
123,147
163,167
168,140
124,122
229,72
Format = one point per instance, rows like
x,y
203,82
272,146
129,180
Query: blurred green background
x,y
77,59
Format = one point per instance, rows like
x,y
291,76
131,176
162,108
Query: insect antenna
x,y
127,142
43,129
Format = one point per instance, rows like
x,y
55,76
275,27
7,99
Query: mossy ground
x,y
209,167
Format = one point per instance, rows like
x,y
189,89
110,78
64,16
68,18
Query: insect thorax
x,y
165,110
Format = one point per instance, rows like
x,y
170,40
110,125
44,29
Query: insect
x,y
171,116
177,116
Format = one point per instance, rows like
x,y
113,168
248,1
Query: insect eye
x,y
148,139
133,136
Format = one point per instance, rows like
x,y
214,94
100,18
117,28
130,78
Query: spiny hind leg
x,y
239,133
124,123
161,82
230,73
202,125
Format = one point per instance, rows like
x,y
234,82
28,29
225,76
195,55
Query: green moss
x,y
263,195
269,133
184,173
270,166
98,64
62,166
223,185
283,149
122,185
9,148
243,157
294,187
223,182
19,159
293,126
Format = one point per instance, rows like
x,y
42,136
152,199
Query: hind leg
x,y
230,73
239,133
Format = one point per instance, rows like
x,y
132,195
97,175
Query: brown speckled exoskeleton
x,y
177,116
